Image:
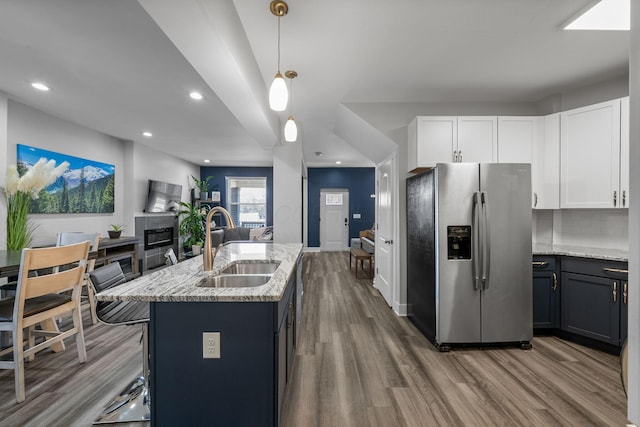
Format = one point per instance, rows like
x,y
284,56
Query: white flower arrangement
x,y
40,176
19,191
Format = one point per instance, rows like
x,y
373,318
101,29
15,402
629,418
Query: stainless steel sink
x,y
241,267
234,281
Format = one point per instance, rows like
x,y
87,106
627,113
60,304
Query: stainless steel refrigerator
x,y
469,254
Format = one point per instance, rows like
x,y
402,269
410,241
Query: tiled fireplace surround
x,y
152,255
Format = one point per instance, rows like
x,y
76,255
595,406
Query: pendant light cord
x,y
278,44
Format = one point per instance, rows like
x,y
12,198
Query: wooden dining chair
x,y
71,237
39,300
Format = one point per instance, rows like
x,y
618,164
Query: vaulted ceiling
x,y
122,67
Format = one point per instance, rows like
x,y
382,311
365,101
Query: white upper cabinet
x,y
517,136
590,156
451,139
546,164
624,152
431,140
477,140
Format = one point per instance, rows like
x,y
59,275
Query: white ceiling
x,y
122,67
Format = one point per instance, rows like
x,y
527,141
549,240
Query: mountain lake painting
x,y
86,187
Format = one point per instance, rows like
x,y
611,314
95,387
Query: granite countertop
x,y
177,283
581,251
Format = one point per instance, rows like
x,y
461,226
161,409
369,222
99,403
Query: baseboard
x,y
400,309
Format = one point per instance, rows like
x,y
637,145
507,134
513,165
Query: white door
x,y
334,219
384,233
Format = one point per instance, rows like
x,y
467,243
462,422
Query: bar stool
x,y
132,403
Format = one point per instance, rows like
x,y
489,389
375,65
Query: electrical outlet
x,y
211,345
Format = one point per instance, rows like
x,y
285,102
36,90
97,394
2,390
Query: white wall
x,y
32,127
3,168
287,193
633,402
579,97
603,228
135,164
148,163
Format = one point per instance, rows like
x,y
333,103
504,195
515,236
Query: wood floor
x,y
357,363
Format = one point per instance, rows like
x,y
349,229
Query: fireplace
x,y
156,237
157,233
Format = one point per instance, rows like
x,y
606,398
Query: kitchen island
x,y
257,337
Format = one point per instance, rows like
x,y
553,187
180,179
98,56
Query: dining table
x,y
9,269
10,263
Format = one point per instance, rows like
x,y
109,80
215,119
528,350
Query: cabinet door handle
x,y
539,263
535,199
455,156
555,282
460,156
615,198
624,293
615,291
624,198
290,317
615,270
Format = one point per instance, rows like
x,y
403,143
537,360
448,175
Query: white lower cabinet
x,y
590,156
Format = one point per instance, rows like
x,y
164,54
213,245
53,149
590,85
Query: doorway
x,y
385,232
334,219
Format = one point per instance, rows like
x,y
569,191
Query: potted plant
x,y
202,186
191,226
116,231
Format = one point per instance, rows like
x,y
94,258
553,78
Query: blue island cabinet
x,y
245,386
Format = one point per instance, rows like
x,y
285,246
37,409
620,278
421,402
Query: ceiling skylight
x,y
603,15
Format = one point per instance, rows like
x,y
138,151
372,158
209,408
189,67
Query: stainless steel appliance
x,y
469,254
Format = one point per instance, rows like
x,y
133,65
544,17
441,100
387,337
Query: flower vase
x,y
19,233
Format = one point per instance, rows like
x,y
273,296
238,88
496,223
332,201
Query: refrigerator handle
x,y
475,240
486,246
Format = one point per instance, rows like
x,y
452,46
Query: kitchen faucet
x,y
209,255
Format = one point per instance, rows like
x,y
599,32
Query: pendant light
x,y
278,94
290,128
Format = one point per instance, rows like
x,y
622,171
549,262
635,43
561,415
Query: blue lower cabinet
x,y
546,293
244,387
594,299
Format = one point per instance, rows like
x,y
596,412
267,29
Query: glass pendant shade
x,y
278,94
290,130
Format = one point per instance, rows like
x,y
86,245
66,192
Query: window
x,y
247,201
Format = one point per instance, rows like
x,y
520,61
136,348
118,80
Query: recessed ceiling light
x,y
338,162
147,134
207,160
604,15
196,95
40,86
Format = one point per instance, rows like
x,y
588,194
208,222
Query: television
x,y
163,197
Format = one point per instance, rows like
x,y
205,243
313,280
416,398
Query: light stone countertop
x,y
581,251
177,283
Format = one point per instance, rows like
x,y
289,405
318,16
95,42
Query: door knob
x,y
388,242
